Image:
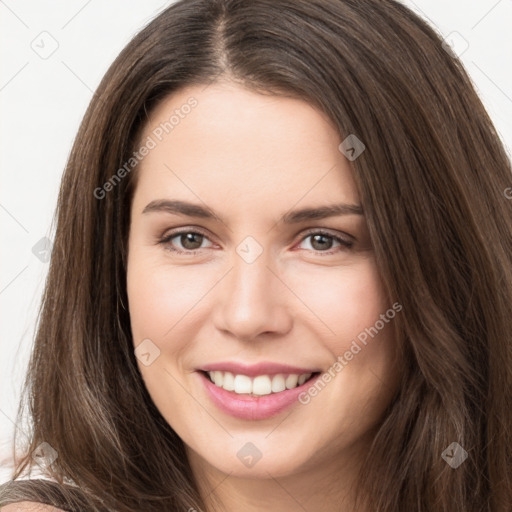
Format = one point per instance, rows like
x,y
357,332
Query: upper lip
x,y
252,370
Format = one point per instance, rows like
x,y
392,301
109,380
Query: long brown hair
x,y
431,181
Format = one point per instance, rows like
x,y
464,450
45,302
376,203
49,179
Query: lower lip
x,y
248,407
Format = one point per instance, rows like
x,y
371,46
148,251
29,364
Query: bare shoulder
x,y
29,506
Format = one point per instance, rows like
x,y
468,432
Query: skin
x,y
251,158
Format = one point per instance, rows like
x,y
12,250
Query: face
x,y
236,266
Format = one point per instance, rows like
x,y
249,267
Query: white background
x,y
42,101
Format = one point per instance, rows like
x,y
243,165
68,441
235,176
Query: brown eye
x,y
323,242
184,241
191,241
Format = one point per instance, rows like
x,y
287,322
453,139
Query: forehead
x,y
232,146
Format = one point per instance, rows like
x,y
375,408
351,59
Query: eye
x,y
187,241
322,242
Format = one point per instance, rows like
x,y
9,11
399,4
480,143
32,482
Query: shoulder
x,y
29,506
38,495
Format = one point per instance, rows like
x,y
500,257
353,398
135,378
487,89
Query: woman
x,y
282,274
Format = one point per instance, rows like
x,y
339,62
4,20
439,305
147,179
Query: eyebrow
x,y
293,217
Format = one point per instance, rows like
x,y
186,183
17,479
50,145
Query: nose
x,y
252,301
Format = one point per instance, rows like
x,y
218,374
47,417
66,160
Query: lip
x,y
252,408
253,370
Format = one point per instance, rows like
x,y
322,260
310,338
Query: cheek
x,y
338,303
345,300
160,296
162,304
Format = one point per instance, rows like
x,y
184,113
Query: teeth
x,y
229,382
260,385
278,383
303,379
243,384
218,378
291,381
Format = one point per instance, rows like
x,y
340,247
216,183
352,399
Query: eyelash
x,y
344,244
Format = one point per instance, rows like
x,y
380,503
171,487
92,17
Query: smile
x,y
255,395
260,385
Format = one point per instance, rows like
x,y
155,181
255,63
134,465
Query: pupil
x,y
187,240
317,238
193,241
